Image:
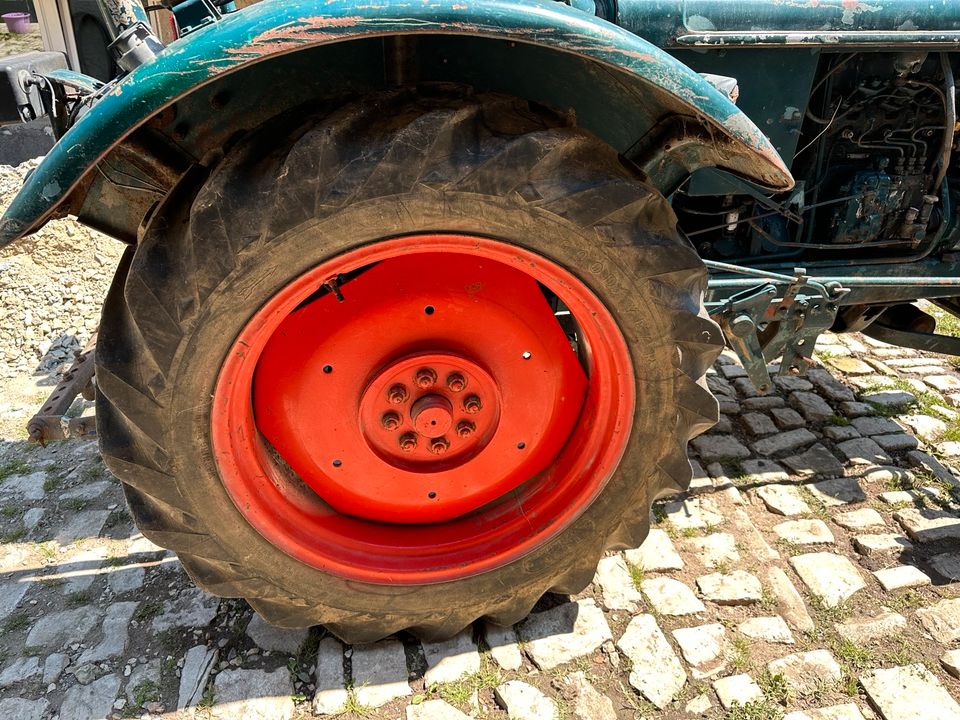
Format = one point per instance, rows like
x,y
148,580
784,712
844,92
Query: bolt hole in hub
x,y
459,431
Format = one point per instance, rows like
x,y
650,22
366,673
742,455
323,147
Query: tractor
x,y
419,298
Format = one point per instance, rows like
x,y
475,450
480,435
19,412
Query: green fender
x,y
180,110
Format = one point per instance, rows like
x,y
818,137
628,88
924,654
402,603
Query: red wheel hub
x,y
430,416
413,417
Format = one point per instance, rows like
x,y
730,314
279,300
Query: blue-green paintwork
x,y
275,27
726,23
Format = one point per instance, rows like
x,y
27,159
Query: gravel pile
x,y
46,313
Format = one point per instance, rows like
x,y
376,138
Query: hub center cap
x,y
430,411
432,415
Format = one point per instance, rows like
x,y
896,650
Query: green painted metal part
x,y
794,23
640,86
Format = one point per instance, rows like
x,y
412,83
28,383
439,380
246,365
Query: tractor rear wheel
x,y
405,363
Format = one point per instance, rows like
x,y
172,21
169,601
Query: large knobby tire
x,y
301,191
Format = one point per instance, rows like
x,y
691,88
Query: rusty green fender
x,y
272,28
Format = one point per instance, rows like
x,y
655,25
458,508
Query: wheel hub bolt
x,y
426,378
438,446
472,404
408,442
456,382
390,421
397,394
465,429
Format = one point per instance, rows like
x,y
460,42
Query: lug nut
x,y
465,429
408,442
438,446
472,404
456,382
426,378
397,394
390,421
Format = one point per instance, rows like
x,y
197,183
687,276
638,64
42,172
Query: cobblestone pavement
x,y
811,572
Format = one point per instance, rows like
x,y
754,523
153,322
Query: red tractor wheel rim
x,y
412,411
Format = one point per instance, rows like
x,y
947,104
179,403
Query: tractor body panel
x,y
544,51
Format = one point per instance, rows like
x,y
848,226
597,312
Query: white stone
x,y
80,569
125,579
897,691
434,710
889,398
833,578
863,519
789,602
32,517
11,593
54,666
928,525
813,407
616,584
330,696
849,711
864,451
565,633
700,705
19,670
192,608
29,487
85,702
380,673
947,564
879,544
115,626
715,549
253,695
942,620
54,631
762,470
588,703
719,447
773,629
197,664
524,702
704,647
656,554
274,639
838,491
83,525
656,671
817,461
902,576
671,597
876,426
804,532
693,513
450,660
734,588
807,672
504,646
783,500
737,690
863,630
951,662
23,709
784,442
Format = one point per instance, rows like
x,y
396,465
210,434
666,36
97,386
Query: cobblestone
x,y
833,578
656,671
676,636
896,691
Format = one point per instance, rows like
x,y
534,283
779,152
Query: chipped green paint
x,y
814,23
275,27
